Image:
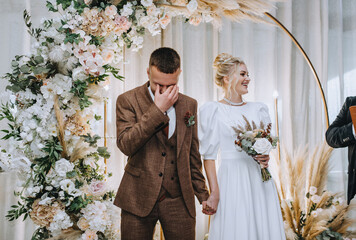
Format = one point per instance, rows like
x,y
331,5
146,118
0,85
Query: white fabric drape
x,y
325,29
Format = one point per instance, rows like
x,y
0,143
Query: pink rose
x,y
122,24
110,11
96,188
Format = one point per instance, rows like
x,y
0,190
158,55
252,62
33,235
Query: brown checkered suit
x,y
139,122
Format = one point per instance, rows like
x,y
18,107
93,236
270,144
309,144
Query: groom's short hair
x,y
165,59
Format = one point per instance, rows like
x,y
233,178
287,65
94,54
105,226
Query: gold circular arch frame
x,y
315,74
308,61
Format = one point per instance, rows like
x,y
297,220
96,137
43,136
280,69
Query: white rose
x,y
312,190
262,146
63,166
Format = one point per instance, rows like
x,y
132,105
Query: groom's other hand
x,y
165,98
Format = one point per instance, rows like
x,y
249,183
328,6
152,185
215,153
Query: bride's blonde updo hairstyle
x,y
225,65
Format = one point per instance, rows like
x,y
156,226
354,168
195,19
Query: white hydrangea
x,y
147,3
97,216
126,10
60,221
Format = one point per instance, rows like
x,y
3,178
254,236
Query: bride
x,y
246,207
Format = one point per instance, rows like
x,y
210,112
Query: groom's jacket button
x,y
164,154
160,174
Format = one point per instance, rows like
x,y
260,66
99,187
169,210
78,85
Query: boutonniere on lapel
x,y
189,119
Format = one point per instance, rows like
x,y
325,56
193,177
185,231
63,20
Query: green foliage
x,y
329,235
78,203
71,174
72,37
91,140
65,3
79,88
96,80
24,76
113,71
100,3
109,196
40,234
97,117
103,152
44,164
34,32
101,236
5,113
20,209
50,7
78,184
79,5
96,40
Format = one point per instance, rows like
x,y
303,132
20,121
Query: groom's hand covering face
x,y
164,86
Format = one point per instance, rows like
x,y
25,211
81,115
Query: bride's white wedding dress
x,y
248,208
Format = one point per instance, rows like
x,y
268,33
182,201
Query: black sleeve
x,y
340,134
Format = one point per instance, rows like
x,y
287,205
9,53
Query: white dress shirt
x,y
171,113
353,131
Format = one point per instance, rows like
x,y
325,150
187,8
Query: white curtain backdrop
x,y
325,29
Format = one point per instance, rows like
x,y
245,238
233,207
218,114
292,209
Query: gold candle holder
x,y
275,96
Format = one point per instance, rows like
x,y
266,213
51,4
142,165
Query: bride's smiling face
x,y
240,80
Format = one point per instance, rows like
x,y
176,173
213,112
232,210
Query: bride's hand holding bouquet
x,y
256,142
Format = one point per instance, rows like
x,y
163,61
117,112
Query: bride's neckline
x,y
226,104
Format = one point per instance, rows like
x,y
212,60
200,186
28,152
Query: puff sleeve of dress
x,y
208,132
263,113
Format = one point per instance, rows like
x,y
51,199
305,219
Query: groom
x,y
164,168
341,133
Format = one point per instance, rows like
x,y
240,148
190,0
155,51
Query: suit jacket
x,y
138,120
340,134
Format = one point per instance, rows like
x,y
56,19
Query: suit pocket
x,y
132,170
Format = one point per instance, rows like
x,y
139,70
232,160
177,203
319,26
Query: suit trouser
x,y
173,215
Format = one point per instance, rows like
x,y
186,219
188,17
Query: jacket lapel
x,y
181,108
143,97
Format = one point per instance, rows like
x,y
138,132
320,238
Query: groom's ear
x,y
148,72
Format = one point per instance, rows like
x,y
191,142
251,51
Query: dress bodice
x,y
216,122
